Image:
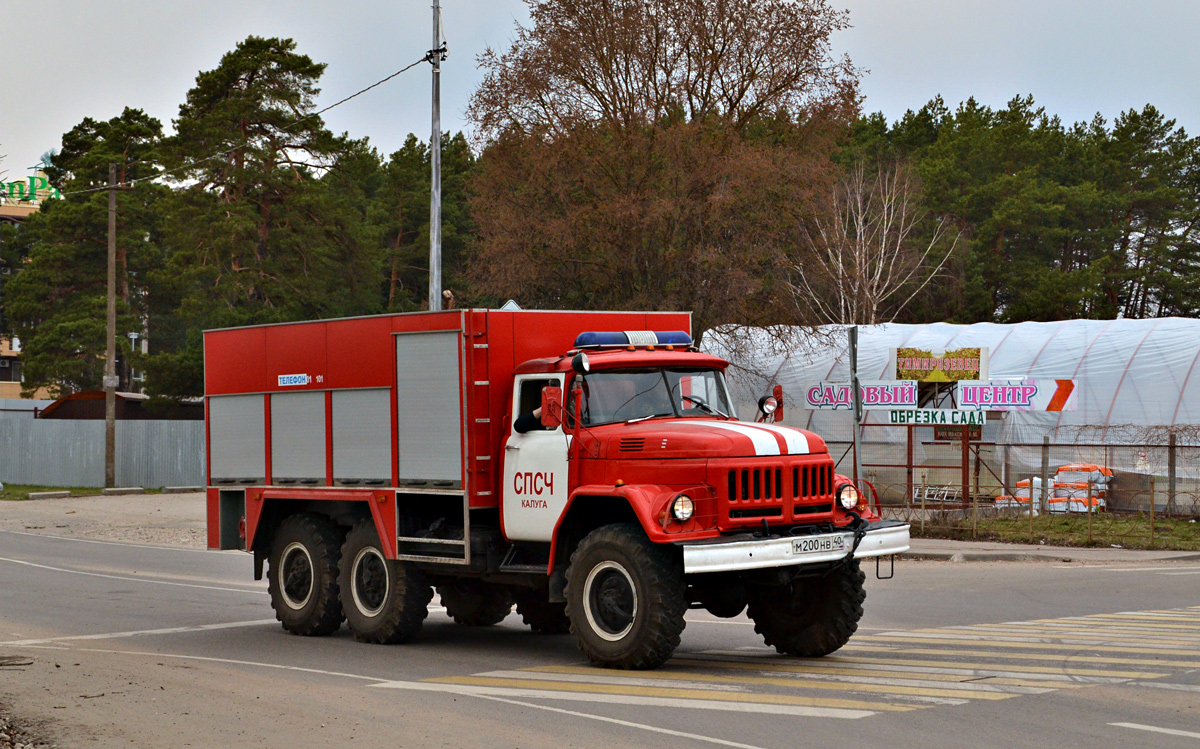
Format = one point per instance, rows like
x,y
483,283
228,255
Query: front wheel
x,y
625,598
385,600
813,616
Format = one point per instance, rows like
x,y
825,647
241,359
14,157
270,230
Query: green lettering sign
x,y
27,190
936,417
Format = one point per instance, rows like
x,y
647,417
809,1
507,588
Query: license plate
x,y
817,544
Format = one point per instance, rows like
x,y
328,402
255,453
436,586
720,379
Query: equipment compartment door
x,y
535,468
429,398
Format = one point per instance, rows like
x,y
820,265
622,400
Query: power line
x,y
220,154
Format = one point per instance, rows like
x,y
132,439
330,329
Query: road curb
x,y
981,556
49,495
1020,556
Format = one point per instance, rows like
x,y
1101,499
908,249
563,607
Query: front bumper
x,y
883,537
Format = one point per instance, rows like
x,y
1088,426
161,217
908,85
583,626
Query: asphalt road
x,y
144,646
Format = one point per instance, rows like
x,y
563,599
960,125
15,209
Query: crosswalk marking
x,y
766,708
860,682
998,643
1176,687
1122,623
1170,622
1098,629
696,695
931,669
898,649
1083,635
1064,637
886,671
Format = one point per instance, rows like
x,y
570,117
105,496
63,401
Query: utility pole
x,y
3,197
435,159
110,353
853,335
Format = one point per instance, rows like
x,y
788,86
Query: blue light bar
x,y
619,338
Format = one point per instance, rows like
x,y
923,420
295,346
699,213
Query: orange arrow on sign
x,y
1065,388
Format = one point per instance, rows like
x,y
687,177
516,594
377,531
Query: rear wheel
x,y
542,616
625,598
810,617
385,601
475,604
302,575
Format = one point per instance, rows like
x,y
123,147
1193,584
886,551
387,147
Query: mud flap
x,y
558,586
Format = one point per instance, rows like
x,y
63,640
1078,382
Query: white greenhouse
x,y
1136,385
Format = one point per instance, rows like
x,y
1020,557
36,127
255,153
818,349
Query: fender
x,y
381,503
867,490
648,502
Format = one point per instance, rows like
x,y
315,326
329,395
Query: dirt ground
x,y
155,519
17,735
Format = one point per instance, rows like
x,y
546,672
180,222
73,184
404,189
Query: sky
x,y
70,59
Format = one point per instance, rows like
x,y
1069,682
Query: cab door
x,y
535,491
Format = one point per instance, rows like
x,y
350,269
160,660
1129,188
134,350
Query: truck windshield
x,y
625,394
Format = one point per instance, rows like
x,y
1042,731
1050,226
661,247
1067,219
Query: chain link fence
x,y
1129,495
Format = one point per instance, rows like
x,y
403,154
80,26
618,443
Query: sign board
x,y
34,189
936,417
954,434
831,396
1016,395
949,366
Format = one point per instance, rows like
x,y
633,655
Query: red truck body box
x,y
418,399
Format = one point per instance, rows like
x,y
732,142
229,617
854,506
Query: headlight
x,y
767,404
682,508
848,496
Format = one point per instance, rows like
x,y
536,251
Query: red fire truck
x,y
584,466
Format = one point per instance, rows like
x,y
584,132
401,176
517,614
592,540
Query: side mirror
x,y
552,407
770,407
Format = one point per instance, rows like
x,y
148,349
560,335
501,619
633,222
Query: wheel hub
x,y
296,576
610,601
370,581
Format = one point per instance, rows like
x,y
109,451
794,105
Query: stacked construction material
x,y
1075,488
1020,498
1078,486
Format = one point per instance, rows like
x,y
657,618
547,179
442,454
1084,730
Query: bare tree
x,y
873,250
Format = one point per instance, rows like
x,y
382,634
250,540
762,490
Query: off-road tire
x,y
810,617
472,603
385,600
542,616
625,598
302,575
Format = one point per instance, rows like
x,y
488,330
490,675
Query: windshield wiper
x,y
701,404
643,418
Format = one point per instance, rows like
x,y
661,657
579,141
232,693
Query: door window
x,y
529,398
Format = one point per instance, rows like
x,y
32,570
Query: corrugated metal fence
x,y
55,452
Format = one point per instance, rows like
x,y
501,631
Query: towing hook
x,y
859,526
